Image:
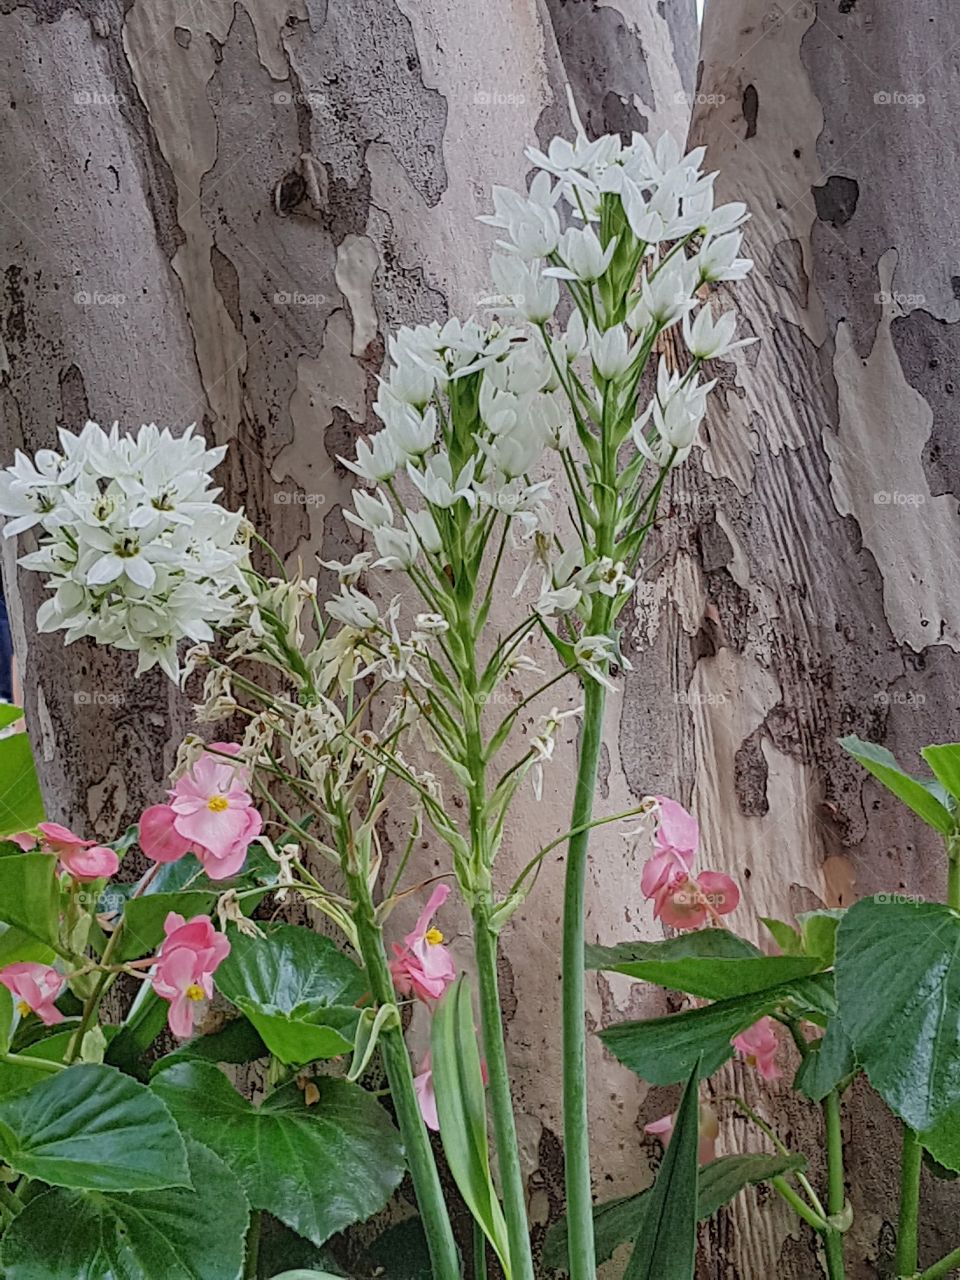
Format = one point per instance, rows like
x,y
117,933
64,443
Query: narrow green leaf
x,y
914,793
898,986
666,1243
21,804
711,963
722,1179
317,1168
458,1082
90,1127
944,760
784,935
179,1233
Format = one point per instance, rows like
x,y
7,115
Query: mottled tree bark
x,y
810,581
216,211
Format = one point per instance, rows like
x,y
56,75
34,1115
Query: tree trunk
x,y
810,585
216,212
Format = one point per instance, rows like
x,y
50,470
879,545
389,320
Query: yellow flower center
x,y
194,991
23,1008
217,804
434,937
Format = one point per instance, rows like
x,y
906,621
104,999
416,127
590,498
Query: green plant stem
x,y
479,1253
798,1204
251,1263
836,1194
582,1255
942,1268
953,874
501,1101
444,1257
911,1160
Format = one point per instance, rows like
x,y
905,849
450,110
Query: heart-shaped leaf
x,y
317,1168
898,987
829,1060
179,1233
711,963
143,919
297,988
93,1128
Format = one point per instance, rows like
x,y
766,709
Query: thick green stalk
x,y
836,1194
501,1101
942,1268
444,1257
911,1160
582,1255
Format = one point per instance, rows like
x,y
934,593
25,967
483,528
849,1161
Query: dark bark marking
x,y
751,105
836,200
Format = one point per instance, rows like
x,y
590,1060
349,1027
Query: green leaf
x,y
898,986
914,793
143,919
145,1020
21,804
15,946
722,1179
179,1233
944,760
317,1168
91,1127
664,1050
829,1060
818,929
784,935
308,1275
297,988
942,1139
9,714
16,1075
711,963
29,893
666,1243
458,1082
615,1222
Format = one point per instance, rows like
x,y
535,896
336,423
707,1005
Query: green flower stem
x,y
501,1101
836,1194
582,1254
942,1268
953,872
910,1164
444,1257
798,1204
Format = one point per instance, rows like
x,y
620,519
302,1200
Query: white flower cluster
x,y
139,553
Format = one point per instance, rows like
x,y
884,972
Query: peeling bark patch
x,y
836,200
786,270
750,772
751,104
74,407
927,350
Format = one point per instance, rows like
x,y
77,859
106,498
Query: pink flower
x,y
210,812
60,840
86,864
26,840
186,962
677,830
687,902
426,1096
423,966
709,1131
759,1045
35,988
